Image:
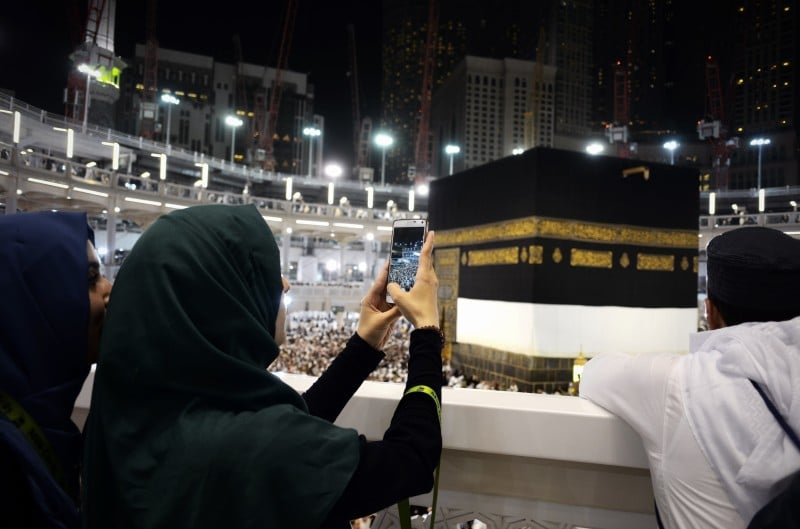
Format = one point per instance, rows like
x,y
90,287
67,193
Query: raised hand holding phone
x,y
420,305
377,317
408,236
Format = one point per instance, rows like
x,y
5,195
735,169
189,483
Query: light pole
x,y
90,72
595,148
332,171
170,100
759,142
383,141
452,150
233,122
671,146
311,132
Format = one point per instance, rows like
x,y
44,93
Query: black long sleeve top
x,y
401,464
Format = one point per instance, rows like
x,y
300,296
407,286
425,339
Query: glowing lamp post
x,y
171,101
452,150
311,132
333,171
233,122
383,141
671,146
759,142
595,148
90,72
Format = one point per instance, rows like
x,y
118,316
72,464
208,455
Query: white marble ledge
x,y
495,422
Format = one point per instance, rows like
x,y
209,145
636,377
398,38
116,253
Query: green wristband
x,y
428,391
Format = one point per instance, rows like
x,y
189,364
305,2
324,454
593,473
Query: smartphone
x,y
408,235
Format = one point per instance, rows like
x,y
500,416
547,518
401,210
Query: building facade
x,y
765,93
481,108
210,91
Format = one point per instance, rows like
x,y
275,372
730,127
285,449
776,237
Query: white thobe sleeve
x,y
632,387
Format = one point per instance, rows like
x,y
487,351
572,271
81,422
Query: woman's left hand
x,y
377,317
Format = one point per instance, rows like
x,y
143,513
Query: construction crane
x,y
150,75
266,140
533,114
422,143
78,82
362,126
94,78
240,103
617,131
712,127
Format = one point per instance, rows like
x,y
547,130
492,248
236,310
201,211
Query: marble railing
x,y
512,460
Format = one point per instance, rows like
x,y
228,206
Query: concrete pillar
x,y
111,242
11,196
342,260
286,244
11,199
369,259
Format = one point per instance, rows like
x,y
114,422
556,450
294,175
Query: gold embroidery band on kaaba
x,y
534,254
528,227
654,262
591,258
531,254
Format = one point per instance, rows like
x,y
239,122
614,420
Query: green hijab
x,y
187,428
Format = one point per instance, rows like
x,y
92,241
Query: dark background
x,y
37,37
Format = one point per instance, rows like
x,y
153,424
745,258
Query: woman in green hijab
x,y
187,427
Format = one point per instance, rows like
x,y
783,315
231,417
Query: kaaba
x,y
552,253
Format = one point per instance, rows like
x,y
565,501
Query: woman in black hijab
x,y
188,428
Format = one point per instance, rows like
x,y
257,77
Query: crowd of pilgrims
x,y
314,338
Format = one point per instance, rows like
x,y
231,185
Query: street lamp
x,y
311,132
671,146
759,142
233,122
516,151
170,100
333,171
595,148
90,72
383,141
452,150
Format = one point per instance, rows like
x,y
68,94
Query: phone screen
x,y
407,244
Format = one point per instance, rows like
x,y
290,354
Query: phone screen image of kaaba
x,y
406,247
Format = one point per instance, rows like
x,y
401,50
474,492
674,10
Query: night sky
x,y
37,37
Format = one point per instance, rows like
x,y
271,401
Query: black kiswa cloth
x,y
187,428
756,268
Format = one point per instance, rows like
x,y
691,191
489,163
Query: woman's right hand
x,y
420,305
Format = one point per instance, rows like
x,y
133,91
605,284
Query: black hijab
x,y
187,427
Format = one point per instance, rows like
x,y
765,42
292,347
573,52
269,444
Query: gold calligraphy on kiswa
x,y
591,258
655,262
567,230
494,256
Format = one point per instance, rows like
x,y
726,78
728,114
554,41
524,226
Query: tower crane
x,y
362,126
268,129
94,58
422,149
712,127
240,102
150,75
617,131
533,115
